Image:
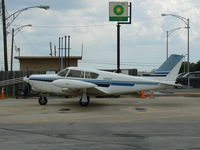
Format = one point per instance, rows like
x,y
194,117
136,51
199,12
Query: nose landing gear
x,y
42,100
85,100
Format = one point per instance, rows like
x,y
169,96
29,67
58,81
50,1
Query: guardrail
x,y
11,81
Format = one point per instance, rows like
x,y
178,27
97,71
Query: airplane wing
x,y
73,84
76,85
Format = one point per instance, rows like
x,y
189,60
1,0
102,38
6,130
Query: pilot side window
x,y
63,72
75,74
91,75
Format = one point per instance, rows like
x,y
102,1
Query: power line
x,y
122,63
72,26
26,39
106,24
188,9
109,61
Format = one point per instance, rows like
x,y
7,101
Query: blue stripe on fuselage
x,y
105,83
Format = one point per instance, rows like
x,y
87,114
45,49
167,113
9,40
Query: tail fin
x,y
169,70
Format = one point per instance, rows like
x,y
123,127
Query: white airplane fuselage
x,y
87,82
108,83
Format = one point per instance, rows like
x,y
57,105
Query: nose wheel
x,y
42,100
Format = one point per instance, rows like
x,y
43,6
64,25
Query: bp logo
x,y
118,10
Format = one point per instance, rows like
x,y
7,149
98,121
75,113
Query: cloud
x,y
54,4
86,21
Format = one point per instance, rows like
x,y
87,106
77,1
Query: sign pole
x,y
118,11
118,48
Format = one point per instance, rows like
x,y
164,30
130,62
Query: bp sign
x,y
118,11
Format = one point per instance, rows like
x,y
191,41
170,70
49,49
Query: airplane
x,y
90,82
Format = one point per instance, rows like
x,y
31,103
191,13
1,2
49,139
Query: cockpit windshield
x,y
63,72
78,74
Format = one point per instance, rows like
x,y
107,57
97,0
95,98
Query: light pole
x,y
169,32
12,42
5,26
186,21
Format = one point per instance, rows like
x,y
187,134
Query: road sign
x,y
118,11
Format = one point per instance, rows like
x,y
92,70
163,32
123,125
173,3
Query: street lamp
x,y
169,32
17,13
186,21
14,32
13,17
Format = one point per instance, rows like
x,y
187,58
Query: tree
x,y
193,67
198,66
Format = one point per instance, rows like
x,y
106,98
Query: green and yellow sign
x,y
118,11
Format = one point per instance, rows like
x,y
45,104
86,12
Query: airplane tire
x,y
42,100
84,103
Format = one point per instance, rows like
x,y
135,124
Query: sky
x,y
143,43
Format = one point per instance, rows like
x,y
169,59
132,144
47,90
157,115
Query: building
x,y
45,63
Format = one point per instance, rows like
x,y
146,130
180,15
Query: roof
x,y
46,57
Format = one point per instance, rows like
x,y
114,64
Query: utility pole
x,y
68,49
61,48
4,36
50,49
65,51
55,50
59,53
82,50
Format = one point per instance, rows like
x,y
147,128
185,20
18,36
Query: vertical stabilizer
x,y
169,70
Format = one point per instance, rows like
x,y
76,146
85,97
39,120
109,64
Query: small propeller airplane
x,y
89,82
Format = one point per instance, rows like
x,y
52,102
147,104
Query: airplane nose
x,y
26,79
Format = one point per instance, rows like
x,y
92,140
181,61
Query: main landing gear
x,y
85,100
42,100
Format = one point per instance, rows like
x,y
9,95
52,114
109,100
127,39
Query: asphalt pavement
x,y
160,123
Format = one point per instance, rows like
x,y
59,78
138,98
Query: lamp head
x,y
44,7
163,14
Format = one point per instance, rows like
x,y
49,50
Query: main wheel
x,y
84,103
42,100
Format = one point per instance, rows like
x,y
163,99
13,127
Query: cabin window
x,y
91,75
63,72
75,74
197,74
192,75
